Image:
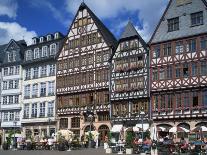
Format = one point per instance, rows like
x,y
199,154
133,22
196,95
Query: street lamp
x,y
14,139
91,117
142,113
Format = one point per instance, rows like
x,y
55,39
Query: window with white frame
x,y
56,35
42,109
17,70
51,88
52,49
10,99
26,111
12,56
27,91
44,71
11,70
10,84
16,84
28,55
11,116
4,99
36,53
16,99
5,116
48,37
44,51
27,74
43,89
17,116
35,72
52,69
34,110
35,90
4,85
50,108
6,71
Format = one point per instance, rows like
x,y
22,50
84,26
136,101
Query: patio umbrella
x,y
161,128
199,129
178,129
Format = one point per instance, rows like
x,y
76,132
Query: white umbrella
x,y
200,128
178,129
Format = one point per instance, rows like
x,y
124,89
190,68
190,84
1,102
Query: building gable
x,y
183,10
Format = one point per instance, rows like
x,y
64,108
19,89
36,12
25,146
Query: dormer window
x,y
197,18
34,41
52,49
36,53
56,35
44,51
11,56
41,39
173,24
48,37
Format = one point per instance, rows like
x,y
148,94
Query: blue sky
x,y
28,18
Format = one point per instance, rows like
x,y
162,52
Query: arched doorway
x,y
164,130
103,130
183,134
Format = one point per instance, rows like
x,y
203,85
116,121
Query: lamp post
x,y
49,121
14,139
142,113
91,117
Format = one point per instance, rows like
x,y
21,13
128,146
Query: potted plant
x,y
129,142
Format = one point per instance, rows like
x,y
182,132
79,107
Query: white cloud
x,y
8,8
148,11
15,31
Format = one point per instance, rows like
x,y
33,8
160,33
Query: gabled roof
x,y
163,18
107,35
129,31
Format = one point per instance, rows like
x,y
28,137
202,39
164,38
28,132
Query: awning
x,y
178,129
145,126
160,128
117,128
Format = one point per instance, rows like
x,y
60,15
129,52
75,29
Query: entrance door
x,y
103,131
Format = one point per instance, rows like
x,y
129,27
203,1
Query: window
x,y
11,116
169,101
28,55
63,123
169,72
186,100
44,51
17,116
43,89
76,62
51,88
203,43
4,85
5,116
16,99
173,24
98,58
106,57
52,49
178,100
194,69
26,111
4,99
42,109
103,116
6,71
162,73
179,47
156,53
191,45
27,91
204,98
178,71
154,74
83,61
52,69
162,102
16,84
185,70
50,109
140,82
195,99
167,49
35,72
36,53
197,18
34,110
48,37
10,84
75,122
203,68
11,100
155,102
35,90
12,56
17,70
28,74
90,59
11,70
44,71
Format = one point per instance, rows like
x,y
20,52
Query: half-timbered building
x,y
178,65
83,75
129,79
